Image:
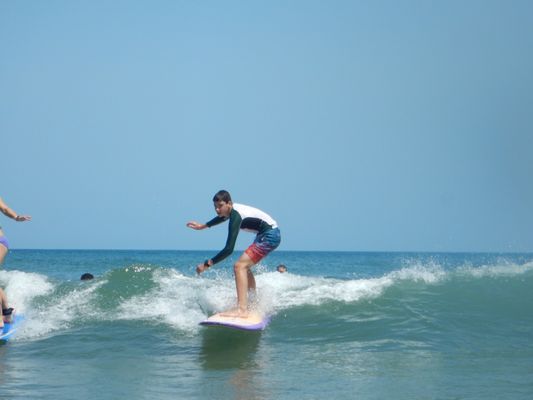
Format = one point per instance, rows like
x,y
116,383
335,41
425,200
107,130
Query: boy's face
x,y
222,208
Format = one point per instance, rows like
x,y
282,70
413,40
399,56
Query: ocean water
x,y
344,326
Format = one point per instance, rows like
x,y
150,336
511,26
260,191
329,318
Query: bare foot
x,y
235,314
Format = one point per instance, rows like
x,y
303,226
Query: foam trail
x,y
176,300
63,310
22,287
289,290
503,268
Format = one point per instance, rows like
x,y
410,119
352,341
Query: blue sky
x,y
358,125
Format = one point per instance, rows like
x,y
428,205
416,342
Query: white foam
x,y
429,274
176,301
22,287
503,268
74,306
288,290
46,311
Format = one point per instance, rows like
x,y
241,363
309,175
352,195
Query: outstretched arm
x,y
8,212
196,225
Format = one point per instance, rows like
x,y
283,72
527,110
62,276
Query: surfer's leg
x,y
244,278
3,304
251,280
252,295
242,275
3,299
4,248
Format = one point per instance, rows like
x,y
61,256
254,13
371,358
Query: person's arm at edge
x,y
8,212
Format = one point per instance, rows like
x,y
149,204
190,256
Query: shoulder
x,y
235,213
242,208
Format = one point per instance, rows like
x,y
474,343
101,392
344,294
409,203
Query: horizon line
x,y
289,251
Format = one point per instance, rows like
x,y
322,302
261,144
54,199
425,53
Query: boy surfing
x,y
240,216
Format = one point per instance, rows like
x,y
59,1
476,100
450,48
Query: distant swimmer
x,y
268,238
7,311
281,268
87,276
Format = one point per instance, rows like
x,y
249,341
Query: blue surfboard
x,y
11,327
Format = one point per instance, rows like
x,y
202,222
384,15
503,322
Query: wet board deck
x,y
11,327
254,322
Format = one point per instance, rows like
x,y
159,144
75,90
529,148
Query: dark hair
x,y
222,195
86,276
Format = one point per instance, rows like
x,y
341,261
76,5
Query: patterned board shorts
x,y
263,244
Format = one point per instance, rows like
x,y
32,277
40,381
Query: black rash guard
x,y
241,217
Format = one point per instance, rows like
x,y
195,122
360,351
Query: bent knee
x,y
239,266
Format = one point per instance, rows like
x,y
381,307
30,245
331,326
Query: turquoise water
x,y
344,326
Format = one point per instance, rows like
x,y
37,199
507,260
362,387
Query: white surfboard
x,y
254,322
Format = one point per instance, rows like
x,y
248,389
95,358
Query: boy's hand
x,y
196,225
201,268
